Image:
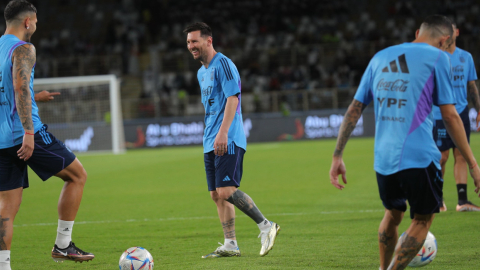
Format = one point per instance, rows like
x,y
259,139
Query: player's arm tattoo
x,y
348,125
472,93
408,250
3,233
23,61
229,228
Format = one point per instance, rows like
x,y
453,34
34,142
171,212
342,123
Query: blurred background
x,y
293,56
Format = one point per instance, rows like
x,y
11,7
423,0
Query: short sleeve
x,y
228,77
443,89
364,92
472,73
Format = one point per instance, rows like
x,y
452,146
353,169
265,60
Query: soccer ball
x,y
427,253
136,258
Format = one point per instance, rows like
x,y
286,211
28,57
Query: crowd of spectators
x,y
276,44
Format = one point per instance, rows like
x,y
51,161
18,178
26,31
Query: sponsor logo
x,y
391,102
174,134
393,119
207,91
3,103
81,144
226,179
63,253
394,67
394,86
442,133
211,113
458,68
326,127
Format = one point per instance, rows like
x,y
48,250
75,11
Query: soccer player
x,y
464,76
24,139
404,81
224,141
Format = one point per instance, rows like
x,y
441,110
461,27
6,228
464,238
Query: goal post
x,y
87,115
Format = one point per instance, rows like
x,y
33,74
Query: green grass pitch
x,y
158,199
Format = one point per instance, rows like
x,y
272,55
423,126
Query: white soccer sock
x,y
5,260
64,233
230,243
264,225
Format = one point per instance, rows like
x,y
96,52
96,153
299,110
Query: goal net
x,y
87,114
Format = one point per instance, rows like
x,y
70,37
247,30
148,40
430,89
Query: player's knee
x,y
443,159
224,194
82,178
214,196
10,207
394,217
422,220
78,177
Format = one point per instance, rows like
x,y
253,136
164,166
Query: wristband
x,y
472,167
29,133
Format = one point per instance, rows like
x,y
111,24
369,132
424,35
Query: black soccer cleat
x,y
71,253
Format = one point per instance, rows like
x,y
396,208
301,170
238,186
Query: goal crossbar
x,y
114,94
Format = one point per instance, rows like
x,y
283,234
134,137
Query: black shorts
x,y
50,156
441,136
226,170
423,188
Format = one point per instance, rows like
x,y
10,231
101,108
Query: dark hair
x,y
205,30
17,7
438,25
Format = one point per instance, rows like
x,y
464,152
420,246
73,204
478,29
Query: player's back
x,y
11,130
403,82
463,71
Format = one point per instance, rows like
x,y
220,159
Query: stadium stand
x,y
293,54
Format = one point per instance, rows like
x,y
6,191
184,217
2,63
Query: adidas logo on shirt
x,y
226,178
394,68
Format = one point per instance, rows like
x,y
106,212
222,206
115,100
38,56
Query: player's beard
x,y
202,56
27,37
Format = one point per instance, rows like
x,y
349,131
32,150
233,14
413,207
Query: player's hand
x,y
45,96
26,151
478,121
475,173
220,143
338,167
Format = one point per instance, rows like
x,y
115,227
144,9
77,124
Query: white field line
x,y
196,218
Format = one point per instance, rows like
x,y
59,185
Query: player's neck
x,y
210,56
13,31
452,48
424,39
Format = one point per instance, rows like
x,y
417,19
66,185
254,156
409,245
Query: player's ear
x,y
209,41
27,22
416,33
